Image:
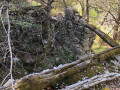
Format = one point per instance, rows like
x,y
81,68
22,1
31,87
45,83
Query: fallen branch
x,y
50,77
103,36
9,45
86,84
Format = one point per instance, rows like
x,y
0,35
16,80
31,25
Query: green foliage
x,y
26,24
68,43
93,13
4,19
79,9
34,3
16,6
69,59
49,63
93,16
13,8
51,60
99,45
24,4
69,56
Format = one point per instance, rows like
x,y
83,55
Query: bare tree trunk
x,y
65,3
87,10
115,32
116,27
103,36
104,18
82,3
49,7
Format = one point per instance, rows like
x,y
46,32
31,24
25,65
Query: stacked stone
x,y
69,31
80,37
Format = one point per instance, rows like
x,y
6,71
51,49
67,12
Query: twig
x,y
10,49
2,19
65,3
4,80
9,46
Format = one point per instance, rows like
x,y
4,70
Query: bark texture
x,y
50,77
103,36
92,81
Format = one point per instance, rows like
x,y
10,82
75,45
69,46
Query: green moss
x,y
99,69
118,68
90,72
34,3
113,42
74,78
106,88
98,44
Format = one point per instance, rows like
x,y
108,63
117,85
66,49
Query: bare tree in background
x,y
87,10
84,8
116,33
112,16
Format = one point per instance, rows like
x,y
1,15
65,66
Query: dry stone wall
x,y
29,35
68,32
73,33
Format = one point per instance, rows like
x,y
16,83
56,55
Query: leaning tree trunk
x,y
103,36
51,77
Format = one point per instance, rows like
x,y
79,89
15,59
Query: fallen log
x,y
86,84
103,36
50,77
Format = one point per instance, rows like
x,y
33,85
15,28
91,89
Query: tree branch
x,y
103,36
50,77
86,84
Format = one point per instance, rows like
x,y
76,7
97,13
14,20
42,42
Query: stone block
x,y
87,30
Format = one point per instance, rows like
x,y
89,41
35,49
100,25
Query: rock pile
x,y
74,35
69,34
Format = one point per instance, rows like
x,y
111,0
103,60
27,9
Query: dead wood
x,y
86,84
103,36
50,77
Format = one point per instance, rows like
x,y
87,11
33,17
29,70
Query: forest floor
x,y
98,46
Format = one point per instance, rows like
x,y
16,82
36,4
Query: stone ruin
x,y
70,31
69,34
70,40
73,33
